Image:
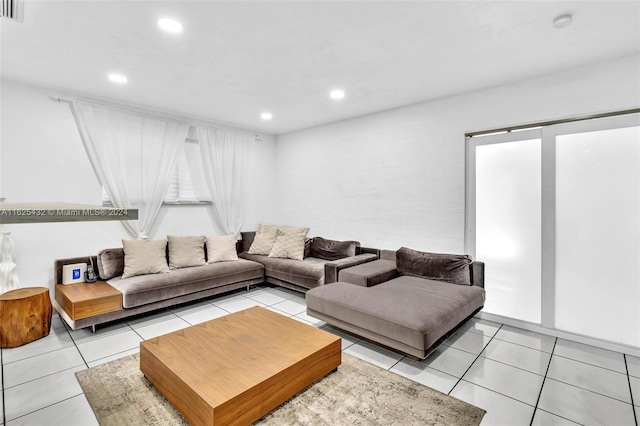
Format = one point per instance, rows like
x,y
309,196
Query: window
x,y
188,184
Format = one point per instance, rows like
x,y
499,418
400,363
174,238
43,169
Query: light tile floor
x,y
519,377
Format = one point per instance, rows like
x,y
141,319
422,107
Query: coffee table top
x,y
225,357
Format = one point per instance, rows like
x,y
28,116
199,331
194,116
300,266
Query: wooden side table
x,y
84,300
25,316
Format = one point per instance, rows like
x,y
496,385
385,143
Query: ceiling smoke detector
x,y
12,9
562,21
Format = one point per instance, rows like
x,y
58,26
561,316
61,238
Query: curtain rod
x,y
552,122
145,111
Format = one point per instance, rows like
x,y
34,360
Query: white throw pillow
x,y
143,257
289,245
186,251
264,240
221,248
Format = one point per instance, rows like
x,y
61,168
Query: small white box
x,y
74,273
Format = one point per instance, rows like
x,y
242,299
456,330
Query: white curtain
x,y
133,156
227,157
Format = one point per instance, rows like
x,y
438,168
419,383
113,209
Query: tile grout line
x,y
473,362
544,379
633,407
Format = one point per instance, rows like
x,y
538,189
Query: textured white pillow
x,y
264,240
143,257
221,248
186,251
289,245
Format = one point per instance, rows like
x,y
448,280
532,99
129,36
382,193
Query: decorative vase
x,y
8,267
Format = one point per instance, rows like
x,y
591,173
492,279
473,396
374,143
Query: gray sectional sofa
x,y
148,292
323,261
408,300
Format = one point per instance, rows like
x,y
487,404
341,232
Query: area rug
x,y
357,394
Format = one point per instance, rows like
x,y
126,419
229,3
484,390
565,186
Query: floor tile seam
x,y
470,330
115,359
41,353
590,391
593,365
83,364
633,406
514,366
44,408
520,344
557,415
437,369
544,379
498,393
472,362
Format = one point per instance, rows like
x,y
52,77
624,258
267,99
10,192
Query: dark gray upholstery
x,y
312,271
410,314
143,289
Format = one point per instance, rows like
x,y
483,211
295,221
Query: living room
x,y
386,165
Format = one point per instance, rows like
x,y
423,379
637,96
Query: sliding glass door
x,y
554,213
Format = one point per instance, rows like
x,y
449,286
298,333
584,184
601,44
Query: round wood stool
x,y
25,316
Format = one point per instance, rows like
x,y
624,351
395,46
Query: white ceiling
x,y
236,59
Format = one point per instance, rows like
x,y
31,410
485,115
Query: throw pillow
x,y
452,268
110,263
289,245
247,240
264,240
331,249
221,248
143,257
186,251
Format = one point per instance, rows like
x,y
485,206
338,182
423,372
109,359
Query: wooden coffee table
x,y
237,368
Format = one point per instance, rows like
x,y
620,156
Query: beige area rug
x,y
357,394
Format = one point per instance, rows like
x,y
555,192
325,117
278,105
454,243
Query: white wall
x,y
42,159
397,178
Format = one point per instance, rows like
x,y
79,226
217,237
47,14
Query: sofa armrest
x,y
370,273
477,273
364,250
333,268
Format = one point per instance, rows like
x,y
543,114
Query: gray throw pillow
x,y
451,268
333,250
186,251
110,263
143,257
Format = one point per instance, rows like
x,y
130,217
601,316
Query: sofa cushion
x,y
414,311
185,251
140,290
264,239
221,248
308,273
452,268
110,263
333,250
247,240
143,257
289,243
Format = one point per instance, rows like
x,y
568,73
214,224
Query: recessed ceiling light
x,y
118,78
562,21
266,116
337,94
170,25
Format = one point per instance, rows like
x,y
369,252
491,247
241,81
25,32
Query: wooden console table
x,y
25,316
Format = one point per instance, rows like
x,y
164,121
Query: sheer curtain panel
x,y
133,156
227,158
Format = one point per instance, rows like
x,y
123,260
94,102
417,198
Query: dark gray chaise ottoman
x,y
408,313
